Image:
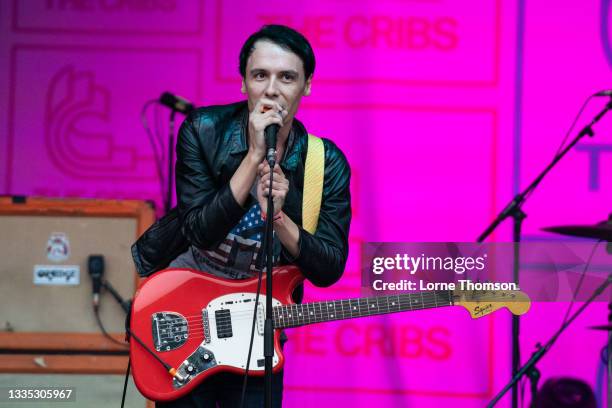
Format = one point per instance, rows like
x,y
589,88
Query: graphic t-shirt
x,y
236,257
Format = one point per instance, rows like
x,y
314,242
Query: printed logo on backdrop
x,y
412,43
57,275
78,135
134,17
58,251
595,152
58,247
75,122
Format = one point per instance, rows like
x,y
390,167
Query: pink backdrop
x,y
443,108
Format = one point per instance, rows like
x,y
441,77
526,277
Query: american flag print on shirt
x,y
240,249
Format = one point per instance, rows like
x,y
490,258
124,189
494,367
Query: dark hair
x,y
284,37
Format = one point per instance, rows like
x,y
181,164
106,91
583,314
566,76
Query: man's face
x,y
277,74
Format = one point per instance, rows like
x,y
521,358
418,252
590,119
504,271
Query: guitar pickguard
x,y
226,323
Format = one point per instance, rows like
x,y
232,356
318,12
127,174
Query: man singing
x,y
222,182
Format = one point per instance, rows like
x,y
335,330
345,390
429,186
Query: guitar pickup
x,y
223,319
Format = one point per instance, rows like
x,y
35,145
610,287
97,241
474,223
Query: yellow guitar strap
x,y
313,183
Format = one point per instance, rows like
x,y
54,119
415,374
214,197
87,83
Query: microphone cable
x,y
96,310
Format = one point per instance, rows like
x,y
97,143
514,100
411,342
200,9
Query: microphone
x,y
175,102
95,266
607,92
270,134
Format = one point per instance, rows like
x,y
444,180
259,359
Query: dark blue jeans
x,y
224,391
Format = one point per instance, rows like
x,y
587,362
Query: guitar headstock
x,y
483,302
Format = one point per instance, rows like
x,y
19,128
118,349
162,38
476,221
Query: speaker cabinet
x,y
47,324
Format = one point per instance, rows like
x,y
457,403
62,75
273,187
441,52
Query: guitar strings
x,y
197,329
305,308
195,332
311,308
341,304
342,309
239,316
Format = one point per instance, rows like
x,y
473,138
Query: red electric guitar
x,y
189,325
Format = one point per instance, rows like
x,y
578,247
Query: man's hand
x,y
266,112
280,187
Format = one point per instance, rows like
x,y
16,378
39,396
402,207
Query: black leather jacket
x,y
211,145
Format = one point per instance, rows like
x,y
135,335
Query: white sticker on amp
x,y
58,247
57,275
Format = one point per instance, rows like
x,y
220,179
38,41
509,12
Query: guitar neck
x,y
317,312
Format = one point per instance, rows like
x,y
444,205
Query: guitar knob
x,y
190,369
206,356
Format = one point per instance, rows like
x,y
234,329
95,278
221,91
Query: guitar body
x,y
200,325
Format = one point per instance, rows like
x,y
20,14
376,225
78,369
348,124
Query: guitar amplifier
x,y
47,322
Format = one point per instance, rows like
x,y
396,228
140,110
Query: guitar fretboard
x,y
317,312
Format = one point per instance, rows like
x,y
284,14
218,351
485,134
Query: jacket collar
x,y
295,142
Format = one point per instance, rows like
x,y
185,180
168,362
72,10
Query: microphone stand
x,y
126,305
529,368
513,209
269,323
609,346
168,201
609,353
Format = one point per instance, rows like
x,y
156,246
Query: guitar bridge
x,y
206,325
170,330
